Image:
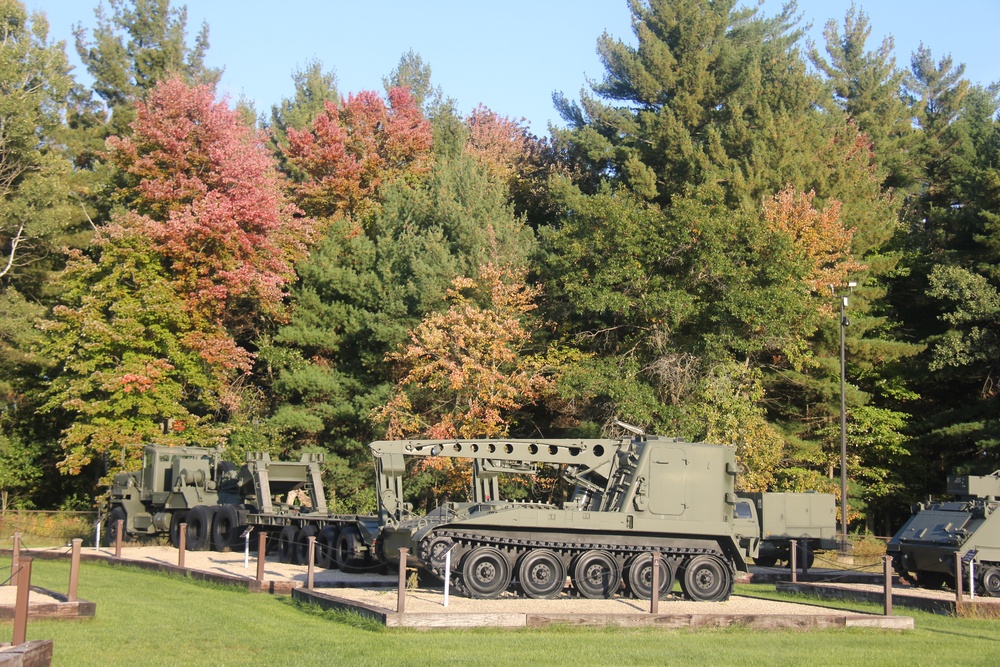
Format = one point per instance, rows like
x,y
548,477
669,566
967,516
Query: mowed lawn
x,y
149,619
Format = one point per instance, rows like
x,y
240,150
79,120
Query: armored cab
x,y
632,497
172,481
808,518
924,549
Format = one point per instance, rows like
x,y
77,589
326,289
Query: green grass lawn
x,y
151,619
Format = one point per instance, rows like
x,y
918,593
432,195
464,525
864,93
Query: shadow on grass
x,y
351,618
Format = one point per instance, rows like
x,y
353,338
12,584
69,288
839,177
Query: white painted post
x,y
972,579
246,549
97,537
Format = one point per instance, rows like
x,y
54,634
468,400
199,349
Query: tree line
x,y
354,265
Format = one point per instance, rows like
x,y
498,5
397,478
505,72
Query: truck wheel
x,y
302,544
991,581
326,543
178,517
766,561
639,577
707,579
225,528
199,523
541,574
348,543
804,557
286,544
596,575
485,573
110,533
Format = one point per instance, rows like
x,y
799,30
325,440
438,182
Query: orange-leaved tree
x,y
819,235
467,371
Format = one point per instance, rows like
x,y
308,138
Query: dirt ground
x,y
379,590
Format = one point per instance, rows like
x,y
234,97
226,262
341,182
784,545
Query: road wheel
x,y
287,553
326,544
178,517
225,528
110,533
639,576
199,532
485,573
541,574
707,579
991,581
596,574
302,544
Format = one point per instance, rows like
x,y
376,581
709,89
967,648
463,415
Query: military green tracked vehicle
x,y
632,496
923,551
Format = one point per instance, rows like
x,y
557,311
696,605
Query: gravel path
x,y
370,588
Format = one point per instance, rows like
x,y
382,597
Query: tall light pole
x,y
843,421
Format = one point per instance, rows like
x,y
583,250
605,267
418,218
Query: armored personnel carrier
x,y
923,550
632,496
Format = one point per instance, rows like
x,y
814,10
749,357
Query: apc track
x,y
539,564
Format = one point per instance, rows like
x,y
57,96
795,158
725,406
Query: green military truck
x,y
808,518
192,486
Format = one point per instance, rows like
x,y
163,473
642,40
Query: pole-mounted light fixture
x,y
843,416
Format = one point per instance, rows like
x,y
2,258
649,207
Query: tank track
x,y
513,547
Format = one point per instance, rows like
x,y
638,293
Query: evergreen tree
x,y
140,44
709,118
868,87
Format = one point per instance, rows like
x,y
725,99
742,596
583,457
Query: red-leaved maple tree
x,y
200,184
354,148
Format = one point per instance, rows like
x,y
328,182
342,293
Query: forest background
x,y
181,268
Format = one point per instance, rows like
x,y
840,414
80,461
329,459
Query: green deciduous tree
x,y
156,338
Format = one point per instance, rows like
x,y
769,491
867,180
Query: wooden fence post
x,y
21,603
182,544
312,562
119,527
261,554
401,596
74,570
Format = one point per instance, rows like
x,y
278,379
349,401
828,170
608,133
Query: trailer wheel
x,y
326,544
707,579
302,544
225,527
596,574
286,544
485,573
110,533
541,574
639,577
199,528
176,519
991,581
348,544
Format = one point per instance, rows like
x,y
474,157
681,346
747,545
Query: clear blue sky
x,y
507,55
